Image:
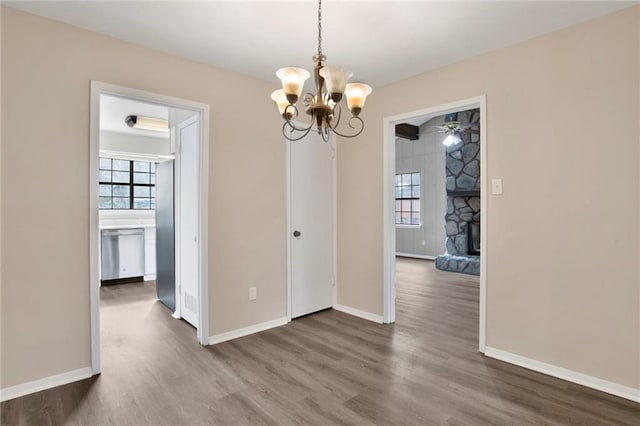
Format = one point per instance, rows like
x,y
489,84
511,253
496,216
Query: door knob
x,y
296,233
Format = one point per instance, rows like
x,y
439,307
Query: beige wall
x,y
562,132
47,67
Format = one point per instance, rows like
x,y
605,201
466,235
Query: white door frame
x,y
389,231
99,88
289,229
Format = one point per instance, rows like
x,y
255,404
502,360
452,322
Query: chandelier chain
x,y
319,27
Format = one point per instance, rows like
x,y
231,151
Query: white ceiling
x,y
114,110
382,42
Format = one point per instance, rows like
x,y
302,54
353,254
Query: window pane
x,y
105,202
121,177
120,203
415,206
406,179
141,191
153,203
398,180
141,178
153,179
415,178
104,176
398,205
406,192
153,167
105,163
398,192
105,190
121,165
398,217
153,191
406,205
141,203
415,191
415,218
121,190
406,218
140,166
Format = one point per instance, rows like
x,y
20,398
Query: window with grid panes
x,y
126,185
408,199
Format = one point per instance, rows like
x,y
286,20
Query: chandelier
x,y
324,107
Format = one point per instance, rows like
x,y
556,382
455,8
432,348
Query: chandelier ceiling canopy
x,y
323,107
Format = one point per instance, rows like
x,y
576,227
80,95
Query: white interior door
x,y
311,224
189,206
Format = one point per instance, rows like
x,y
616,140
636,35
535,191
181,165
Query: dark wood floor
x,y
328,368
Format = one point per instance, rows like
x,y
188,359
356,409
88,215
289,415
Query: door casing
x,y
389,234
100,88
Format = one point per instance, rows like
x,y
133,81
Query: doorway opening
x,y
148,209
435,181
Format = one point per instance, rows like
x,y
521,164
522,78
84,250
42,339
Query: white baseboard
x,y
568,375
150,277
358,313
42,384
241,332
416,256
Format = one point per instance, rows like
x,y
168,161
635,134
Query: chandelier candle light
x,y
323,107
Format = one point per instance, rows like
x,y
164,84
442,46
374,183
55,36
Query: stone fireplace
x,y
462,220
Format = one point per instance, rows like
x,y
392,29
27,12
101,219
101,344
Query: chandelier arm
x,y
293,128
287,117
361,126
308,99
288,113
324,133
336,118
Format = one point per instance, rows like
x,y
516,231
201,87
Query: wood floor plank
x,y
324,369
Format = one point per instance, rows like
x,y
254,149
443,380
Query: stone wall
x,y
463,198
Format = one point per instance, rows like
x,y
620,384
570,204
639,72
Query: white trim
x,y
94,229
564,374
149,277
203,319
389,221
288,227
389,235
484,213
334,166
241,332
416,256
360,314
98,88
177,171
405,226
45,383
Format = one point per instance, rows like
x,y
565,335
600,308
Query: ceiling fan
x,y
451,125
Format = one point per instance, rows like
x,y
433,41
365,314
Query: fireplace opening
x,y
473,238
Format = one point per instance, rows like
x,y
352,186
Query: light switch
x,y
496,186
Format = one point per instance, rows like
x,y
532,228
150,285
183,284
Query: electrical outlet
x,y
252,293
